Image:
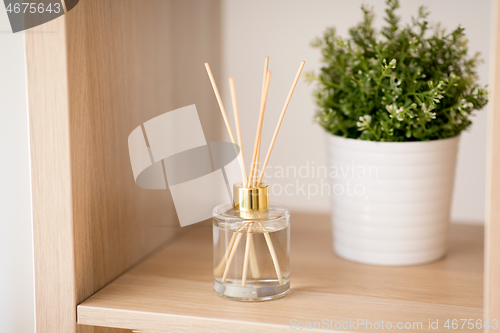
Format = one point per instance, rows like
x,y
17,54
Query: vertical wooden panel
x,y
117,67
51,183
111,66
492,230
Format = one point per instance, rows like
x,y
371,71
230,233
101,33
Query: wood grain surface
x,y
94,75
173,290
51,178
492,263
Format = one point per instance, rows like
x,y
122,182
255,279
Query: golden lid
x,y
251,199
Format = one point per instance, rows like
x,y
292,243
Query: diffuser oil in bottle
x,y
251,246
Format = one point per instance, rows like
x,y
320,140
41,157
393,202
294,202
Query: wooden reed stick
x,y
259,128
219,269
247,253
263,96
250,254
224,116
273,253
257,164
264,78
231,255
289,97
238,130
219,100
254,264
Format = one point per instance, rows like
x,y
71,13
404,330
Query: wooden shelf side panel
x,y
492,231
94,75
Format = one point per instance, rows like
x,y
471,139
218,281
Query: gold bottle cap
x,y
252,202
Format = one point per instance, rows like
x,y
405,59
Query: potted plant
x,y
393,104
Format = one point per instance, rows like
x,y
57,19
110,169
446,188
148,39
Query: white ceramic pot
x,y
391,200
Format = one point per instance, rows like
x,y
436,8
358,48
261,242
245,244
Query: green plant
x,y
411,84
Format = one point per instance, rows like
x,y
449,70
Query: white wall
x,y
16,249
283,29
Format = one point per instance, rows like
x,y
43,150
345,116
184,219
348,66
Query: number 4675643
x,y
470,324
32,7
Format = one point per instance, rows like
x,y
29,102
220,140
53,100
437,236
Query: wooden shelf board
x,y
172,290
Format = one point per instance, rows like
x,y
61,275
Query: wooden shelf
x,y
172,290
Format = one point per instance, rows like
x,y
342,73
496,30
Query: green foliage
x,y
412,83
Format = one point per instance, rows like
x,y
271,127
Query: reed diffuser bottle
x,y
251,246
251,235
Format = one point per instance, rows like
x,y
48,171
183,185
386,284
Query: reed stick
x,y
247,253
254,264
219,100
257,164
264,77
233,246
250,255
238,130
224,116
273,253
231,255
263,96
289,97
219,269
259,127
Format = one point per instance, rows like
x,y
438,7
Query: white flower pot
x,y
391,200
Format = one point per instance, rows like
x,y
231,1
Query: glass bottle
x,y
251,246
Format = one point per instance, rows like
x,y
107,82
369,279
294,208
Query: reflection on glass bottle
x,y
251,246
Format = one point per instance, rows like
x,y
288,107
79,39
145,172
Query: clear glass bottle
x,y
251,246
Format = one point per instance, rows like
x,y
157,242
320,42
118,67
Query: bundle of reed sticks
x,y
254,178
